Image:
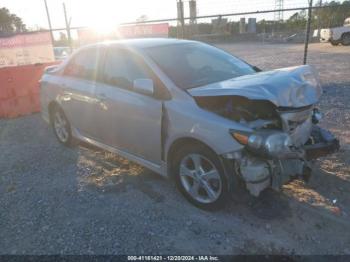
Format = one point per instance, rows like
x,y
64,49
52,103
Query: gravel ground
x,y
57,200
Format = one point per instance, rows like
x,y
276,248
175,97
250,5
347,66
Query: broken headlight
x,y
277,143
268,143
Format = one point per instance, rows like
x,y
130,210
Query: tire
x,y
334,43
200,177
61,127
345,39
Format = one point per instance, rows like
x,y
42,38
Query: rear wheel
x,y
345,40
61,126
199,176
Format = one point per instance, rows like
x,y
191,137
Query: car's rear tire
x,y
61,126
345,39
199,176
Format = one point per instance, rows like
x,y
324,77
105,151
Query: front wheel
x,y
345,40
200,177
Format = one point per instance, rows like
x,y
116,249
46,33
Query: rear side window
x,y
84,65
122,68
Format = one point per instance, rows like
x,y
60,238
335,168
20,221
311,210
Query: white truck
x,y
337,35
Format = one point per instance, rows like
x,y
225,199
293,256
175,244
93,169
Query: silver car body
x,y
144,129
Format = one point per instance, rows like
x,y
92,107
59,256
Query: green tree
x,y
10,23
332,14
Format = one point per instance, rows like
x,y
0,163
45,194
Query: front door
x,y
128,120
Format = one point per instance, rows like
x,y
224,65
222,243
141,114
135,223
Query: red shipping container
x,y
24,105
19,106
1,111
9,107
26,79
6,83
20,89
36,106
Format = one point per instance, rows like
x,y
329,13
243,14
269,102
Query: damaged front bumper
x,y
260,171
321,143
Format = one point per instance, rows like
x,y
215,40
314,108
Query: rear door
x,y
79,90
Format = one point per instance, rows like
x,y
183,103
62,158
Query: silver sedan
x,y
191,112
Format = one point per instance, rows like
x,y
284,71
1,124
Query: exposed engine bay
x,y
266,162
254,113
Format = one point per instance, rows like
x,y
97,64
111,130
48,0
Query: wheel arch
x,y
233,182
178,143
51,106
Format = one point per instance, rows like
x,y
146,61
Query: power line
x,y
205,16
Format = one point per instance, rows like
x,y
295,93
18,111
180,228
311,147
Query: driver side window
x,y
121,68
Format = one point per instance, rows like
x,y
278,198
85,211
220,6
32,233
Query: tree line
x,y
10,23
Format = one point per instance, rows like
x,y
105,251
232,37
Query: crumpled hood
x,y
286,87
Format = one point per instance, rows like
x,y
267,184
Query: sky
x,y
103,13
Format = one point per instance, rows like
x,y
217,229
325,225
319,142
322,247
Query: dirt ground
x,y
57,200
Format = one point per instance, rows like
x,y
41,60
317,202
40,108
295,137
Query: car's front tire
x,y
61,126
199,176
345,40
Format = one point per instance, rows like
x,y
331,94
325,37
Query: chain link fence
x,y
287,31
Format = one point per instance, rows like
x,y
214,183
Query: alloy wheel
x,y
61,127
200,178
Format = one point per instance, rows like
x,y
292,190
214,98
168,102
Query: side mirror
x,y
257,69
144,86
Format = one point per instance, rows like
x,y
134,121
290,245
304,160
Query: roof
x,y
142,43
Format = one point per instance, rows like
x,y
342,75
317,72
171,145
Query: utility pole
x,y
193,17
181,20
307,34
49,21
318,20
67,28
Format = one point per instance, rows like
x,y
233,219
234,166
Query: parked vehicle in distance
x,y
61,52
189,111
337,35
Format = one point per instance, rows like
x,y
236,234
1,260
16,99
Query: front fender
x,y
187,120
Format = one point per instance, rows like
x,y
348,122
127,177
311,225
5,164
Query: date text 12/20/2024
x,y
173,258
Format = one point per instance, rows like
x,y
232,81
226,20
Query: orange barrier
x,y
19,89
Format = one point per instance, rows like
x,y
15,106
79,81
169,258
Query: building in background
x,y
26,49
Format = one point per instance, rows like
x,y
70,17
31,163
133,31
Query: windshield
x,y
194,64
61,51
